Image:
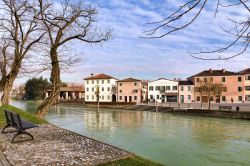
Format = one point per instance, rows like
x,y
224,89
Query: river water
x,y
174,140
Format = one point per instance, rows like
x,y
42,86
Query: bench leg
x,y
20,133
5,128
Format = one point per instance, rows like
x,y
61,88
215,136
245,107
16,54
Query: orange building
x,y
246,88
233,83
130,90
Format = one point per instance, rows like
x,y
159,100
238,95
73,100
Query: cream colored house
x,y
105,84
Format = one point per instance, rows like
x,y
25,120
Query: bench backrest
x,y
8,117
16,120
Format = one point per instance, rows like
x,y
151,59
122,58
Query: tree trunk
x,y
55,80
6,92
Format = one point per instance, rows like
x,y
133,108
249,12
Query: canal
x,y
174,140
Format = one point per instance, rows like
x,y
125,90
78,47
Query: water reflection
x,y
169,139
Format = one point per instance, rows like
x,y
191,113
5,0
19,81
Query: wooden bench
x,y
225,107
14,120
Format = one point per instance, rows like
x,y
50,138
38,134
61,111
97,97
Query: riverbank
x,y
245,115
54,145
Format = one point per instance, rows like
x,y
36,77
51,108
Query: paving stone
x,y
56,146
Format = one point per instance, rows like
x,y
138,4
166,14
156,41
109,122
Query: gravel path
x,y
55,146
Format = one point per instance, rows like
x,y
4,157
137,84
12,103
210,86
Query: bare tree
x,y
209,90
71,21
189,11
18,23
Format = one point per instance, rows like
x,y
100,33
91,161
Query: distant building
x,y
130,90
186,91
232,81
69,93
246,80
105,84
163,90
17,92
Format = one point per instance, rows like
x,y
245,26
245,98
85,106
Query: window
x,y
87,82
93,97
247,97
240,98
102,81
97,81
157,97
182,88
135,84
189,88
197,79
120,84
87,97
102,97
108,97
239,89
223,79
189,97
211,79
108,89
248,77
151,88
151,97
120,91
174,87
157,88
93,89
211,98
198,98
93,81
87,89
205,79
120,97
108,81
167,88
102,88
239,79
247,88
224,89
223,98
135,91
135,97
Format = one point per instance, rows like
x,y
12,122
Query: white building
x,y
186,91
163,90
105,84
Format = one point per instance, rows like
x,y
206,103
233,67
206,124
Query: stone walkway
x,y
3,160
56,146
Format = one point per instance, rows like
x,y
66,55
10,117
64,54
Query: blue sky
x,y
127,55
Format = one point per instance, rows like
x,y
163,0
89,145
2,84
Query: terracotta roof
x,y
99,76
246,71
129,80
186,82
216,73
71,89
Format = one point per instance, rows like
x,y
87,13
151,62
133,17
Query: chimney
x,y
210,71
223,71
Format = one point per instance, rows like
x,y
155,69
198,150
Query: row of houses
x,y
105,88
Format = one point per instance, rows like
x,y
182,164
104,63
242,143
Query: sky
x,y
128,55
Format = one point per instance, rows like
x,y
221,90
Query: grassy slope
x,y
24,115
132,161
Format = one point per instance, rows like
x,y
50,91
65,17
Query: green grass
x,y
25,115
131,161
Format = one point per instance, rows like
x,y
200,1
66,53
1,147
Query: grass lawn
x,y
132,161
24,115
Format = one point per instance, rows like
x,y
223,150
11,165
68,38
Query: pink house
x,y
129,90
